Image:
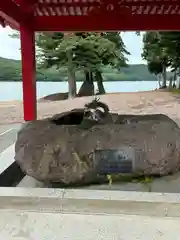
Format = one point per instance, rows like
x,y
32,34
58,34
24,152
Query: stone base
x,y
168,184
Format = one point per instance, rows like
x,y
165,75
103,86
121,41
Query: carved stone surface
x,y
68,154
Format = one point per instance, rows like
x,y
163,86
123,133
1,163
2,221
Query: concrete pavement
x,y
31,214
16,225
8,135
10,172
7,158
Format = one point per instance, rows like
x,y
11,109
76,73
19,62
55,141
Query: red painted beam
x,y
9,21
10,9
107,23
28,73
27,5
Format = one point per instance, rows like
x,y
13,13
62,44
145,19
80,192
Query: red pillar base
x,y
28,73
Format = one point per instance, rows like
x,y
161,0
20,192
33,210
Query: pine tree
x,y
87,52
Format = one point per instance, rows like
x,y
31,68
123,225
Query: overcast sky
x,y
10,47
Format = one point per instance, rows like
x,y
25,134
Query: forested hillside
x,y
10,70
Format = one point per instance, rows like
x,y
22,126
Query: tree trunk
x,y
71,76
159,80
178,82
87,88
174,79
91,77
171,82
99,80
164,77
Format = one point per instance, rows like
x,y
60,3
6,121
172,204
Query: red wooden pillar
x,y
28,73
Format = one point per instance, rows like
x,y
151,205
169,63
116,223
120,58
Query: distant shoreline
x,y
12,90
12,69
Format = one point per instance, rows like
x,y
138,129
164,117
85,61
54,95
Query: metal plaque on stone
x,y
111,161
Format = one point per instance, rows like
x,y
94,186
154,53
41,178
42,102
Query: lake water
x,y
13,90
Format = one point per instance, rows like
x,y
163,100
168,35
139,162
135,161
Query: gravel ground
x,y
130,103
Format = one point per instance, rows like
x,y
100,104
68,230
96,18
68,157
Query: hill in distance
x,y
10,70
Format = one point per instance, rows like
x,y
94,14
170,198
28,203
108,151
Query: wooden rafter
x,y
109,3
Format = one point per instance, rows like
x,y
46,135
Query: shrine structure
x,y
30,16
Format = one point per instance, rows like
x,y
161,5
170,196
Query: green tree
x,y
172,42
109,50
117,60
155,67
57,50
156,52
163,48
87,52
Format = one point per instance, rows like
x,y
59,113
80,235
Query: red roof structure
x,y
92,15
30,16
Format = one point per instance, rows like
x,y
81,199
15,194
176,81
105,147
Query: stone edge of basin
x,y
90,201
